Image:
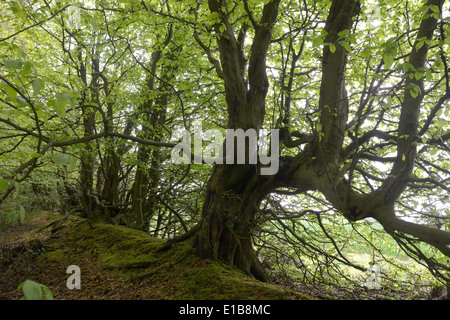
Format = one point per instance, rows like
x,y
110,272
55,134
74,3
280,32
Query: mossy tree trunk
x,y
234,191
233,197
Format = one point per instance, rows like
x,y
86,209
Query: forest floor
x,y
119,263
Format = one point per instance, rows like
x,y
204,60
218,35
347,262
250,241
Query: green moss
x,y
173,274
55,255
216,280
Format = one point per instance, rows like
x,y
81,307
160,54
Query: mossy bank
x,y
117,262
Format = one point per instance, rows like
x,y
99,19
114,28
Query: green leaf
x,y
408,67
366,54
343,33
22,213
418,75
12,215
18,82
61,102
223,28
414,90
332,48
39,111
38,84
65,159
389,54
60,109
13,64
419,45
346,46
435,8
441,123
18,51
72,163
31,290
63,97
61,159
388,60
317,42
72,102
3,184
17,10
47,293
27,68
12,93
213,16
318,127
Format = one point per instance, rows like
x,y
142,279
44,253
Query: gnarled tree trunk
x,y
235,190
233,196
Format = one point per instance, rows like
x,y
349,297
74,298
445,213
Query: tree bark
x,y
224,233
235,191
87,156
333,100
410,110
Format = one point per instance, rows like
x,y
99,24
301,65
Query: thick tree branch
x,y
333,101
410,111
435,237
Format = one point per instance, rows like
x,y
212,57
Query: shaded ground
x,y
117,263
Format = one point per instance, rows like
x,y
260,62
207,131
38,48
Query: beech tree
x,y
327,163
357,89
